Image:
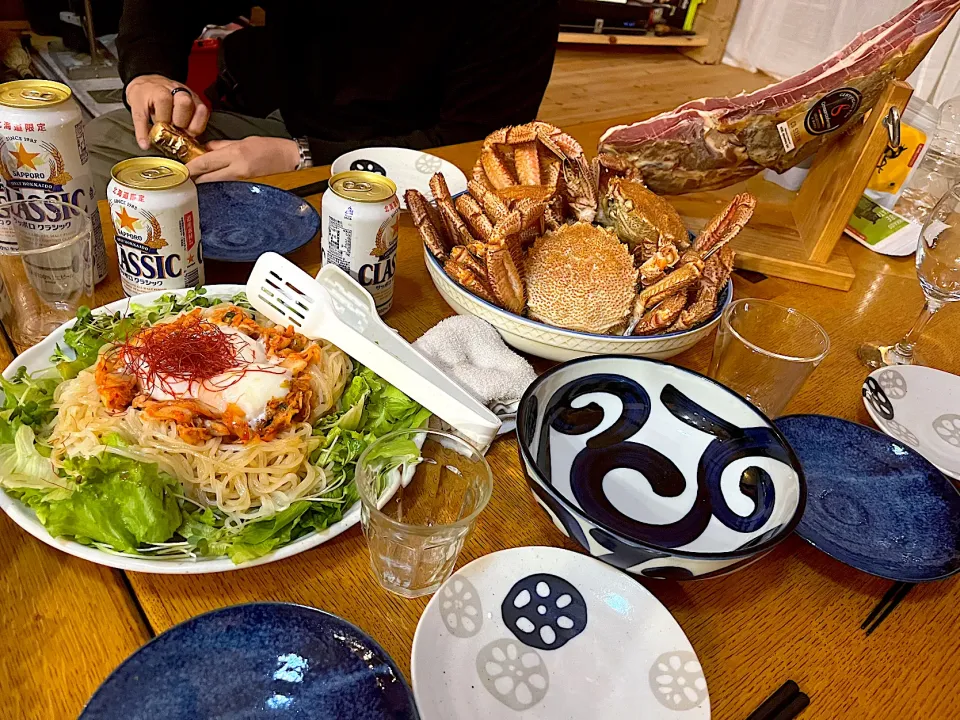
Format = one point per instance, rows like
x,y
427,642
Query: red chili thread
x,y
189,350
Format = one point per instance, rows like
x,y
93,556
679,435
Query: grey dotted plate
x,y
539,632
919,406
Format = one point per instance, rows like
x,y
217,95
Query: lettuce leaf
x,y
401,449
117,501
22,467
204,531
387,409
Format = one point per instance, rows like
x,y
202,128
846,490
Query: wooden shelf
x,y
598,39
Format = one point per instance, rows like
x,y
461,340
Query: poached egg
x,y
251,385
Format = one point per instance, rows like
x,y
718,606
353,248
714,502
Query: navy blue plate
x,y
872,502
239,221
262,660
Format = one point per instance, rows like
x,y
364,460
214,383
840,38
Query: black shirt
x,y
354,74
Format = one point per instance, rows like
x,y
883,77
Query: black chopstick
x,y
888,603
786,703
311,189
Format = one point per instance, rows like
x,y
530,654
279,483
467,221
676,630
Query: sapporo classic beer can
x,y
153,207
43,152
360,213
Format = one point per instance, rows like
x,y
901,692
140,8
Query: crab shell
x,y
642,218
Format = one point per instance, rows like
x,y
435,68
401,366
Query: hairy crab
x,y
539,154
528,184
699,276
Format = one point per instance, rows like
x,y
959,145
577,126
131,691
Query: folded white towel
x,y
471,351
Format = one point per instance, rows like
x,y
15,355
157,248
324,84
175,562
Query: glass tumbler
x,y
420,492
765,352
46,266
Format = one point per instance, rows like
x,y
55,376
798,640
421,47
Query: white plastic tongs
x,y
335,307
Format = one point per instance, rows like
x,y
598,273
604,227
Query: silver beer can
x,y
43,152
154,210
360,213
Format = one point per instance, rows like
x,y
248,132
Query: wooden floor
x,y
597,83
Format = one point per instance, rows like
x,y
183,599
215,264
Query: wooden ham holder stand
x,y
794,235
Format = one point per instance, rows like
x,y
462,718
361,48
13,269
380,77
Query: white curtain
x,y
785,37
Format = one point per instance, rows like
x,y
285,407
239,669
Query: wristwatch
x,y
306,157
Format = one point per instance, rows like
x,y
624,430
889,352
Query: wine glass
x,y
938,267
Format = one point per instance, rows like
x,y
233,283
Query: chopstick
x,y
888,603
310,189
786,703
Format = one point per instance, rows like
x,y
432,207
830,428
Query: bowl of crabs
x,y
568,257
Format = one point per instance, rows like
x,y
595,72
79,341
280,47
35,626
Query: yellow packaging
x,y
892,173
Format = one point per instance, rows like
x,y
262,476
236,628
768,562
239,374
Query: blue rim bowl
x,y
590,517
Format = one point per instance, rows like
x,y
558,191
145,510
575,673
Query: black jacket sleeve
x,y
498,63
155,37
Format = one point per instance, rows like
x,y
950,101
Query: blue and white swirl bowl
x,y
655,469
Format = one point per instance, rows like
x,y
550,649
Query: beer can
x,y
43,152
153,207
360,213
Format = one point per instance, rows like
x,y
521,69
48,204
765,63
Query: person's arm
x,y
498,66
153,44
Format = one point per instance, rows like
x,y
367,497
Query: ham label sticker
x,y
827,114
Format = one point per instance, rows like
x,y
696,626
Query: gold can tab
x,y
150,173
361,186
33,93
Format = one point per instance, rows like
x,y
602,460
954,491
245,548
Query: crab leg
x,y
429,228
681,279
716,272
495,208
511,224
480,176
470,280
505,281
471,211
530,212
528,236
496,168
551,170
552,218
727,225
527,161
514,193
456,227
662,316
462,255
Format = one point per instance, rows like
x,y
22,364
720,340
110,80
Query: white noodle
x,y
245,481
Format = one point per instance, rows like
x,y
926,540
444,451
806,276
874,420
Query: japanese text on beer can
x,y
360,213
43,153
154,210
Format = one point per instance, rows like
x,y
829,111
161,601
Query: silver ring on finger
x,y
179,89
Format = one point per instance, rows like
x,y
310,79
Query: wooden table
x,y
795,614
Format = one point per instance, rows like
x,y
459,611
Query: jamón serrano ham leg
x,y
711,143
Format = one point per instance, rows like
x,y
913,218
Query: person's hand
x,y
250,157
151,100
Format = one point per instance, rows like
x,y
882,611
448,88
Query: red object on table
x,y
202,67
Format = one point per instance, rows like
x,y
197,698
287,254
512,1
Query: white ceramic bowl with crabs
x,y
540,632
554,343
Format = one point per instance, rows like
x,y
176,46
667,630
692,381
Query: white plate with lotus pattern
x,y
918,406
540,632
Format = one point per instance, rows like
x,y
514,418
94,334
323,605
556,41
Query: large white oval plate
x,y
540,632
38,358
